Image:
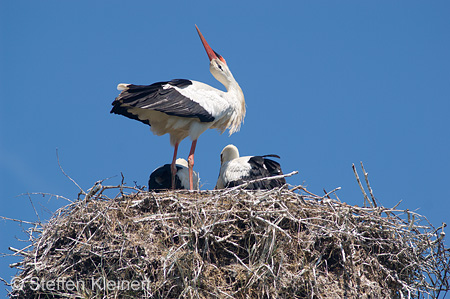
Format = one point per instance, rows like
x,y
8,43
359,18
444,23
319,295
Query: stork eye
x,y
219,66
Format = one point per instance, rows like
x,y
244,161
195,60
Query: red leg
x,y
173,167
191,164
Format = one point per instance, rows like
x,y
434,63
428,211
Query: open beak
x,y
211,53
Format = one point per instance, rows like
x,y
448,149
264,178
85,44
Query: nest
x,y
232,243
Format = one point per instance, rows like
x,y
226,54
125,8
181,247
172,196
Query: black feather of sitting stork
x,y
273,167
161,179
261,167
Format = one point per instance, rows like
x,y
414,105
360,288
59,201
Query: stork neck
x,y
232,86
234,92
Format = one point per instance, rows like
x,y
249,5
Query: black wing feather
x,y
271,155
155,97
261,168
161,179
274,169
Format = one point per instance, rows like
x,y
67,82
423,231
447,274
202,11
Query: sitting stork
x,y
161,177
235,170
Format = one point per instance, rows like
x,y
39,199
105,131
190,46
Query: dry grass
x,y
232,244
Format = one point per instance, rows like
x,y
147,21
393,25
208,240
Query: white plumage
x,y
236,170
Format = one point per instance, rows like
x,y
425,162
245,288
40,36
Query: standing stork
x,y
185,108
235,170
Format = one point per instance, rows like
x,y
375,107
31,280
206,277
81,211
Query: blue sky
x,y
326,83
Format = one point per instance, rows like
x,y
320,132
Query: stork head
x,y
218,65
211,53
229,152
182,162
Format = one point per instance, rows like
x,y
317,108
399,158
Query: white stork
x,y
235,170
185,108
161,177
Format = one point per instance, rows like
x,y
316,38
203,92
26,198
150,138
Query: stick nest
x,y
231,244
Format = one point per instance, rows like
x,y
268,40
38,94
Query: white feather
x,y
183,174
233,170
232,167
122,86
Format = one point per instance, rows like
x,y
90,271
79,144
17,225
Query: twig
x,y
60,167
327,195
304,189
17,220
21,251
44,194
366,198
366,176
37,215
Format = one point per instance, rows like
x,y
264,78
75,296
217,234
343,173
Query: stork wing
x,y
270,168
162,97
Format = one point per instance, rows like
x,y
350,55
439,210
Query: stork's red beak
x,y
211,53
